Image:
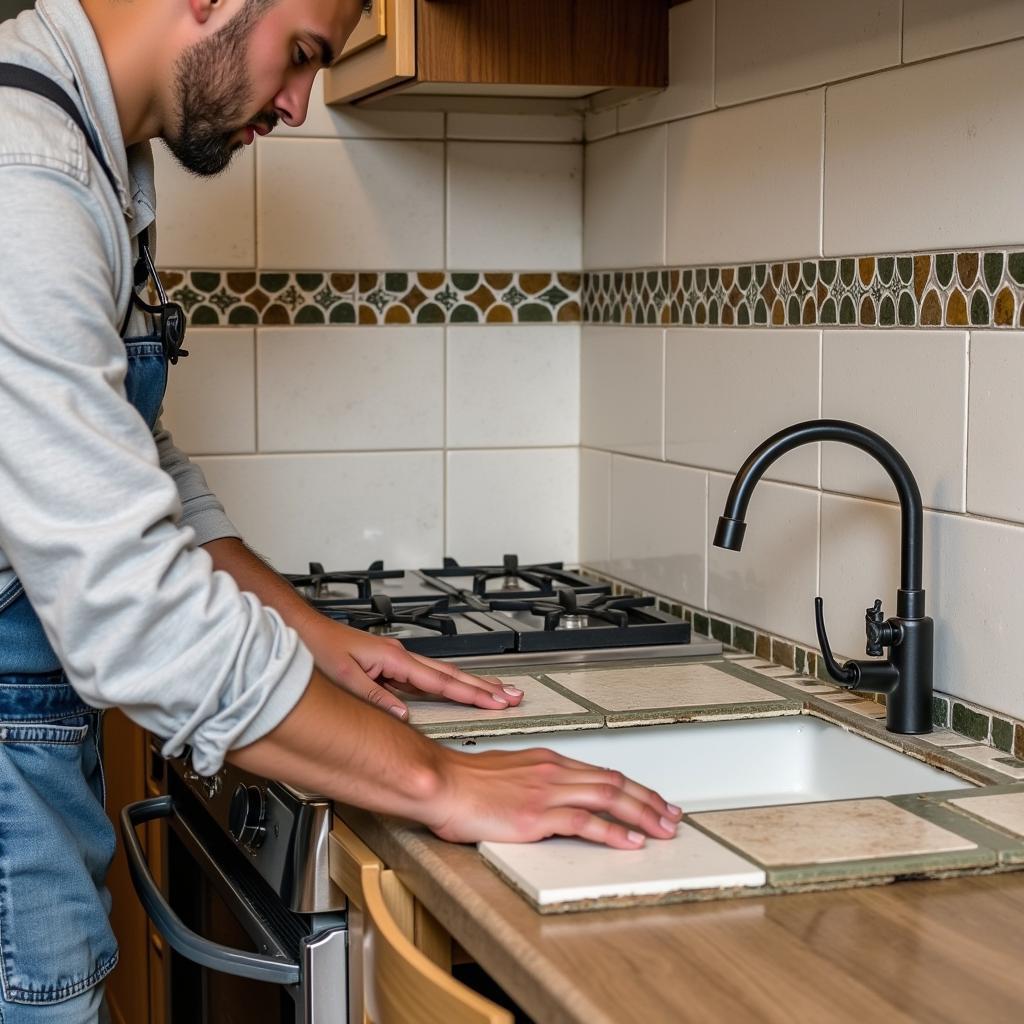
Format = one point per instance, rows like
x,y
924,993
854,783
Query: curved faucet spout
x,y
731,525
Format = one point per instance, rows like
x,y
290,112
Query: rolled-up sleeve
x,y
100,518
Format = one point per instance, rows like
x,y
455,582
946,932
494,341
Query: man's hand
x,y
525,795
369,666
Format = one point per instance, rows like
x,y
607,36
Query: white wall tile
x,y
772,581
342,510
933,27
621,389
595,508
514,205
972,579
920,157
354,204
691,70
516,127
599,124
763,49
745,183
210,404
728,390
205,222
910,387
624,201
513,386
658,532
995,455
350,389
344,121
522,501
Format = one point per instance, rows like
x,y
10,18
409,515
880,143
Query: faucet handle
x,y
874,617
845,675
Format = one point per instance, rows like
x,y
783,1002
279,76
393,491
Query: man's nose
x,y
292,102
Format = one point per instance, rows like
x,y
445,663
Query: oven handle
x,y
180,937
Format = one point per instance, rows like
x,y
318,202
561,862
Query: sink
x,y
750,763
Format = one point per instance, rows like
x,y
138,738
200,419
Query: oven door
x,y
240,953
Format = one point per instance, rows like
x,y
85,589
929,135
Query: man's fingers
x,y
610,799
493,685
569,821
428,679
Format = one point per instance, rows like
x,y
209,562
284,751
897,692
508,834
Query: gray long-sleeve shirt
x,y
100,519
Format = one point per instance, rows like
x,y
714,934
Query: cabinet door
x,y
380,53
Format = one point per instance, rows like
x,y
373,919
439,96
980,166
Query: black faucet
x,y
906,676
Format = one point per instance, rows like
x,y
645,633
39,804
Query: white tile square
x,y
874,378
625,419
342,510
522,501
205,222
728,390
658,528
210,404
995,456
595,508
719,166
493,127
764,49
351,204
624,201
321,388
560,870
691,69
772,581
934,27
513,386
514,206
886,135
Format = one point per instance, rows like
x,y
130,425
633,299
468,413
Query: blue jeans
x,y
56,842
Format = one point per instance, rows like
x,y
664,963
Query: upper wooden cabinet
x,y
561,48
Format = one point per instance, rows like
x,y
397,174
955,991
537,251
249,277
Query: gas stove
x,y
483,617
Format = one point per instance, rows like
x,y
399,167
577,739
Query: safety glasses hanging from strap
x,y
171,315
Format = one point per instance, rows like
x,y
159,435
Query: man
x,y
122,582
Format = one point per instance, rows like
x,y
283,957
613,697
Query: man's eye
x,y
301,57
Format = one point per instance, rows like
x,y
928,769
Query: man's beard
x,y
214,93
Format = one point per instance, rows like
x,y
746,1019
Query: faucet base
x,y
908,709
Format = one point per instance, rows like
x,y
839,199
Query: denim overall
x,y
56,842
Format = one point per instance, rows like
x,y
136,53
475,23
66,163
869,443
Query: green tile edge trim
x,y
887,290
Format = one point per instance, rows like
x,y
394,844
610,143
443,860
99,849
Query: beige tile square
x,y
947,738
613,417
320,388
766,48
210,405
514,205
887,133
718,165
923,369
1003,809
773,382
538,701
624,201
933,27
829,833
665,686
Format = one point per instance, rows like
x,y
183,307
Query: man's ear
x,y
202,9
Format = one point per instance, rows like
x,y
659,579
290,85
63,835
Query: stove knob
x,y
246,816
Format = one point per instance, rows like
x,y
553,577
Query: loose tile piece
x,y
568,870
538,701
1003,809
828,833
994,760
668,686
946,738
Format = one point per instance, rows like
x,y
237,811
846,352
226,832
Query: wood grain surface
x,y
948,950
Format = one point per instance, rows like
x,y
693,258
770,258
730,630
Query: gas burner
x,y
383,619
565,611
319,586
510,579
318,580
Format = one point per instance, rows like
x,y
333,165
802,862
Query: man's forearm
x,y
252,574
335,744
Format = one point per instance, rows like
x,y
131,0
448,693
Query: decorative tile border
x,y
973,288
220,298
962,723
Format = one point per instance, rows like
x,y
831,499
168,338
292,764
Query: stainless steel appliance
x,y
250,910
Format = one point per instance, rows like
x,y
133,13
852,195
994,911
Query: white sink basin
x,y
752,763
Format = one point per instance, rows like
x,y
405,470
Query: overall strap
x,y
14,76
